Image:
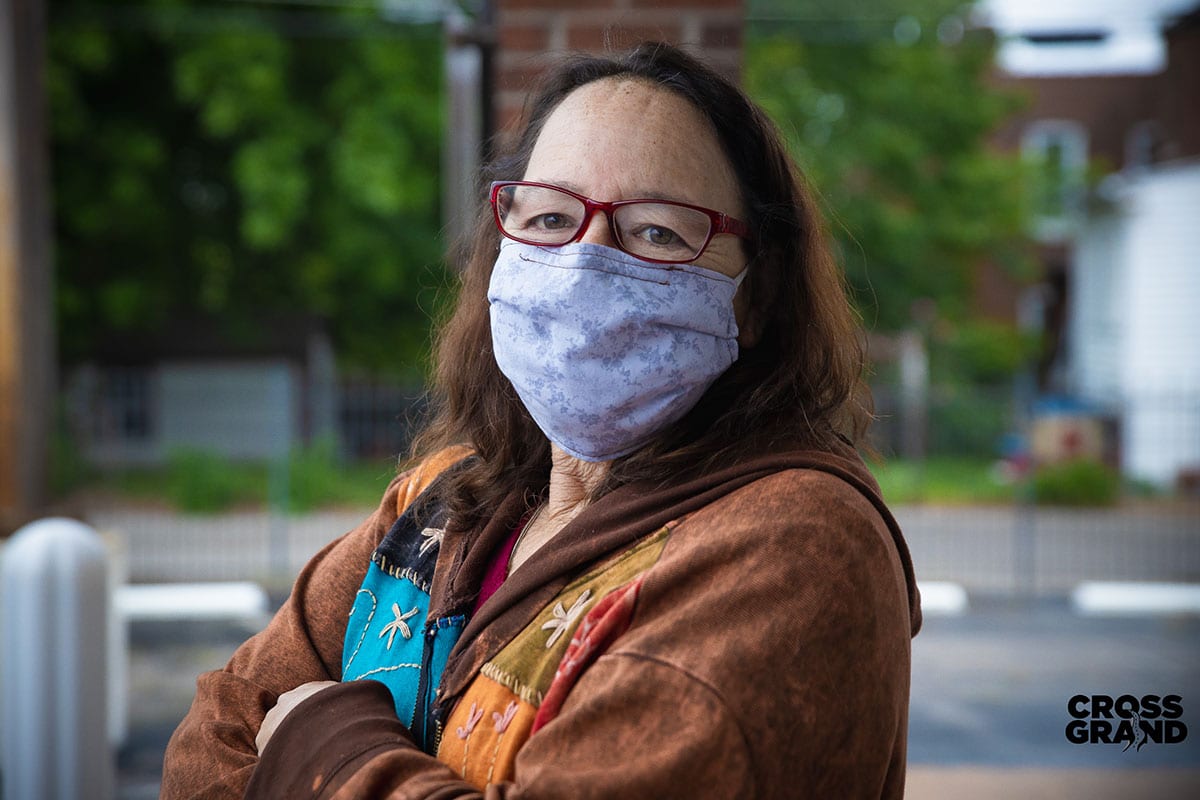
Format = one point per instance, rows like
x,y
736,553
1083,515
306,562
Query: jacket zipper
x,y
437,737
420,716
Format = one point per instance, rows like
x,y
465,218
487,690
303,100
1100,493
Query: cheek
x,y
724,255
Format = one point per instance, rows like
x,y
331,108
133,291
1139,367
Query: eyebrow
x,y
640,195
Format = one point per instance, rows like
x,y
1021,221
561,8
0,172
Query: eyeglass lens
x,y
661,231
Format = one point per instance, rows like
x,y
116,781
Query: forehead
x,y
621,138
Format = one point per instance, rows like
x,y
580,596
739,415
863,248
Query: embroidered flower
x,y
433,538
502,720
565,618
398,624
473,717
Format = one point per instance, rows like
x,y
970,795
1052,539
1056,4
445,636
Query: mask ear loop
x,y
741,276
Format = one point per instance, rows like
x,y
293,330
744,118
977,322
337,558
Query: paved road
x,y
988,706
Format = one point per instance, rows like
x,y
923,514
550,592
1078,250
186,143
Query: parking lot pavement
x,y
165,659
984,783
990,688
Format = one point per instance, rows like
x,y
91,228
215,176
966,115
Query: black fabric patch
x,y
413,542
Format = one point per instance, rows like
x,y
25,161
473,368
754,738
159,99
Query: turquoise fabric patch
x,y
385,637
388,638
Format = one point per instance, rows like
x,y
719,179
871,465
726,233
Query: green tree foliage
x,y
241,160
887,108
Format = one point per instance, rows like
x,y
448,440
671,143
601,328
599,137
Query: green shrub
x,y
1081,482
199,481
942,480
319,478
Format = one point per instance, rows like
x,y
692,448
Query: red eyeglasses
x,y
655,230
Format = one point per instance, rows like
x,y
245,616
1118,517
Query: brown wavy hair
x,y
799,384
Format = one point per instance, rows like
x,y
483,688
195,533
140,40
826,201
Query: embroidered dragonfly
x,y
501,721
398,624
473,717
433,538
565,618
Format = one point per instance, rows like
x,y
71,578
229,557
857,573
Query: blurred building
x,y
195,386
1111,135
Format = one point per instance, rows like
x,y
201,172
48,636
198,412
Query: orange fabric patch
x,y
481,738
424,473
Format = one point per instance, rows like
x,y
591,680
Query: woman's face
x,y
625,139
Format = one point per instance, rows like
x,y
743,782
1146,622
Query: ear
x,y
749,320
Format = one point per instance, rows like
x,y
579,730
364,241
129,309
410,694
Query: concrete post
x,y
54,628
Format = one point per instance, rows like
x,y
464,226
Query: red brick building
x,y
530,34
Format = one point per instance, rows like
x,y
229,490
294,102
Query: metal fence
x,y
1000,549
1013,546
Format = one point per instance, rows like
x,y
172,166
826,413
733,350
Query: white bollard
x,y
54,618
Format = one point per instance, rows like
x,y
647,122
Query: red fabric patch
x,y
596,632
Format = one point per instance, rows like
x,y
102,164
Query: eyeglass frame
x,y
718,222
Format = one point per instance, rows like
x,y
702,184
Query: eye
x,y
552,221
664,231
659,236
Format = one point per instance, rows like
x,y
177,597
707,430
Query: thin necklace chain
x,y
537,512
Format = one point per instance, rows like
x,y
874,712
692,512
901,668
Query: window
x,y
124,405
1056,154
1143,145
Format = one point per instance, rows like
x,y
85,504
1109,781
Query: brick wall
x,y
531,34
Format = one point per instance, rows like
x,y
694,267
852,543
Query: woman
x,y
657,568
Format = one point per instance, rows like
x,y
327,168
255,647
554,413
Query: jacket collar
x,y
604,528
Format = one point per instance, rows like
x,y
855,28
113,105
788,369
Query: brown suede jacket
x,y
763,652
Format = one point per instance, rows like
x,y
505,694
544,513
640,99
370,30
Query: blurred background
x,y
225,227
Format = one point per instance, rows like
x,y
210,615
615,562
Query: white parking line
x,y
1130,598
942,598
194,601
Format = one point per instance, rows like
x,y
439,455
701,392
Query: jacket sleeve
x,y
212,752
768,657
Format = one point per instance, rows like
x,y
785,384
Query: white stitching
x,y
384,669
366,625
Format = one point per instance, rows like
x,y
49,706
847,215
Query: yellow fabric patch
x,y
528,663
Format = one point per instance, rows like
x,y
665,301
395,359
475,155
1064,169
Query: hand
x,y
283,706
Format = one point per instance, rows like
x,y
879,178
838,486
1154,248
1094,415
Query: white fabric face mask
x,y
604,349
